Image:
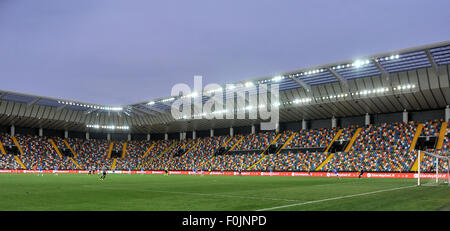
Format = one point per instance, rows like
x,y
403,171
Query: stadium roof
x,y
336,89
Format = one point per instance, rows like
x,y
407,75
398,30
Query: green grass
x,y
189,193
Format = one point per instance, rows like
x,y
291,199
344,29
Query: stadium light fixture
x,y
277,78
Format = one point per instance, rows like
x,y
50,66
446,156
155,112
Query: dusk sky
x,y
117,52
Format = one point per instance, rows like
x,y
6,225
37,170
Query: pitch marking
x,y
335,198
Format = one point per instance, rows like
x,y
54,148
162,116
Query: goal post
x,y
433,168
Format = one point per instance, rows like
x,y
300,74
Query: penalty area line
x,y
335,198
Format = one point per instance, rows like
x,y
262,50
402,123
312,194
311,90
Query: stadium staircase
x,y
17,145
416,137
334,139
124,150
287,142
56,148
190,149
234,146
148,150
338,134
111,146
20,162
413,145
442,134
325,161
114,163
70,148
165,150
352,141
223,145
75,163
21,152
265,149
2,149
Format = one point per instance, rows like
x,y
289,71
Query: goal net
x,y
433,168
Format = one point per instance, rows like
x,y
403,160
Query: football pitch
x,y
121,192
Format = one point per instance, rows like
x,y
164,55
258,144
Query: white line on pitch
x,y
335,198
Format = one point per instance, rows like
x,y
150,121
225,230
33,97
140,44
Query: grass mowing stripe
x,y
335,198
220,195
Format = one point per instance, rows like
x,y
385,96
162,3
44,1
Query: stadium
x,y
363,134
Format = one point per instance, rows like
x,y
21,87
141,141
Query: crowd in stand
x,y
257,141
432,128
388,137
201,153
6,140
376,161
233,162
91,153
39,152
7,161
313,138
383,147
291,161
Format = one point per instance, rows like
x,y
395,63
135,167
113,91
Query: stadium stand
x,y
377,148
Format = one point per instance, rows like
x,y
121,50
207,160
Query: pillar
x,y
447,114
87,135
405,116
333,122
231,132
194,135
66,134
129,137
148,137
181,135
277,127
166,136
367,119
13,130
304,126
253,129
41,132
108,136
211,132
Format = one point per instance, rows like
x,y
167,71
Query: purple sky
x,y
120,52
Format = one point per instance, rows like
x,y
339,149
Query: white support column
x,y
447,114
181,135
333,122
108,136
148,137
87,135
277,128
304,124
367,119
231,132
253,129
129,137
66,134
41,132
211,132
166,136
194,135
405,116
13,130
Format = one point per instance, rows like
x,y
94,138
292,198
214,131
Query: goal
x,y
433,168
